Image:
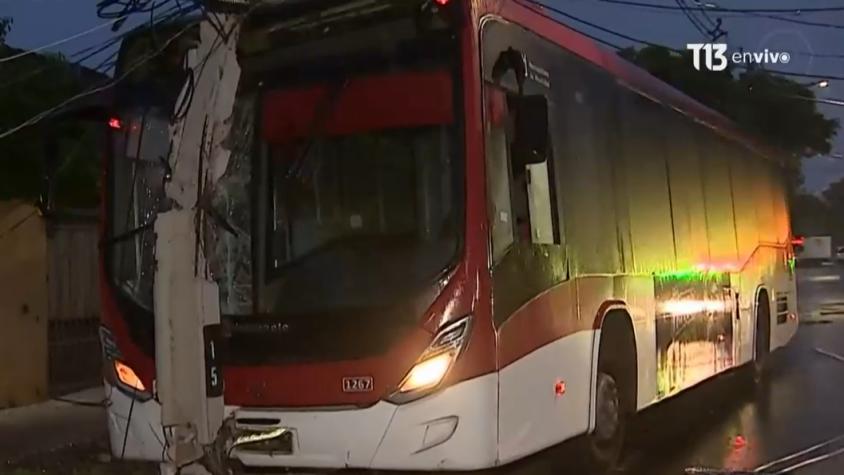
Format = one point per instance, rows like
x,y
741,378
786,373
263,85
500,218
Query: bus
x,y
450,235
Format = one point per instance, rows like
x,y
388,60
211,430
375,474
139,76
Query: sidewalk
x,y
51,425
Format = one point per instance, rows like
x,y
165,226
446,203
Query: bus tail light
x,y
432,367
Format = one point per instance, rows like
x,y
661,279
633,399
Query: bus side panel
x,y
742,169
544,386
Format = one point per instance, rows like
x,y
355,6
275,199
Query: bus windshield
x,y
363,198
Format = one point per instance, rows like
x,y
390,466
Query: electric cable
x,y
54,43
40,116
752,16
712,22
793,20
128,423
659,6
702,30
658,45
96,49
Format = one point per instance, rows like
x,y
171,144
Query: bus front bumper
x,y
453,429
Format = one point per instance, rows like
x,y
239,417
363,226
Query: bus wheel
x,y
762,345
614,399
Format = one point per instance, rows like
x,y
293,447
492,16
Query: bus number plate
x,y
357,384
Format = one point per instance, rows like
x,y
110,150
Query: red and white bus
x,y
451,234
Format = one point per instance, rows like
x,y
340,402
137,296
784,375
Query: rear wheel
x,y
763,337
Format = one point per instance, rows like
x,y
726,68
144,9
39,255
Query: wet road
x,y
730,424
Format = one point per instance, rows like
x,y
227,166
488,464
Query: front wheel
x,y
606,441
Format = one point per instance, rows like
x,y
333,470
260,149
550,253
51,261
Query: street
x,y
729,424
724,424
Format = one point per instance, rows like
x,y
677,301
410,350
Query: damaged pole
x,y
189,379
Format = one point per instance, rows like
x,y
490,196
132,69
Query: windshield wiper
x,y
124,236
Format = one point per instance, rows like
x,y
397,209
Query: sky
x,y
40,22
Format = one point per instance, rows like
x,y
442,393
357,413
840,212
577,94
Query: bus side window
x,y
519,182
501,219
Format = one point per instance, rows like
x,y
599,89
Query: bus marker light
x,y
441,3
560,387
115,123
127,376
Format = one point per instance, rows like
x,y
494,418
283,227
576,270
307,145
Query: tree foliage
x,y
834,198
810,215
779,111
28,86
763,104
5,28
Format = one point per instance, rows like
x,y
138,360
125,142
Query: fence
x,y
73,312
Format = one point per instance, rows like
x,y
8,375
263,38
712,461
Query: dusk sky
x,y
39,22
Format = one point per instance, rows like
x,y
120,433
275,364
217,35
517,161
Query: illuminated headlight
x,y
124,378
432,367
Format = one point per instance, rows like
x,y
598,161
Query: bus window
x,y
520,184
539,203
498,173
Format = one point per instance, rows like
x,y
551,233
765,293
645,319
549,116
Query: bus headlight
x,y
124,378
432,367
127,376
428,373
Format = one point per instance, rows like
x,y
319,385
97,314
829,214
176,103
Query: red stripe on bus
x,y
546,318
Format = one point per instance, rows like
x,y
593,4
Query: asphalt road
x,y
729,424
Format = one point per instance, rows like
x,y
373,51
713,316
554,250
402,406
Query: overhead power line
x,y
660,6
56,43
796,21
42,115
658,45
694,21
79,57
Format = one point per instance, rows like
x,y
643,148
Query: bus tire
x,y
615,393
762,341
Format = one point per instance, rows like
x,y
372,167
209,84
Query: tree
x,y
28,86
834,197
5,28
763,104
779,111
810,215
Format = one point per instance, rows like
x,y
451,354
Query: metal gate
x,y
73,315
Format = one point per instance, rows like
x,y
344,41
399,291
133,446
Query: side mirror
x,y
530,130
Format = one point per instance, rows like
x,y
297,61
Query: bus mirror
x,y
530,135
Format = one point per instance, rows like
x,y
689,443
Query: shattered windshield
x,y
141,142
373,214
229,234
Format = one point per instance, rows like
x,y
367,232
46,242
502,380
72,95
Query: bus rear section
x,y
447,238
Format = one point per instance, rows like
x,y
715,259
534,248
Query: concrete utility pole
x,y
187,307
